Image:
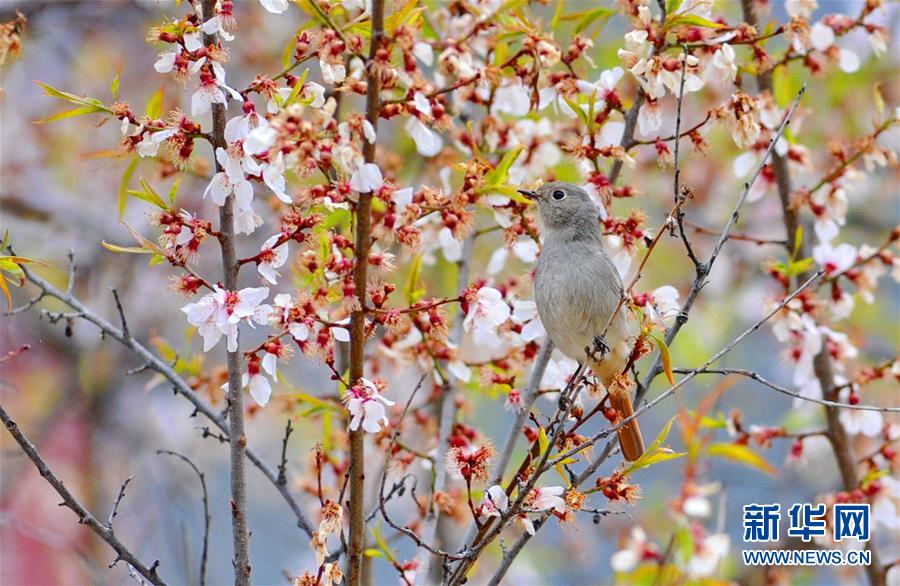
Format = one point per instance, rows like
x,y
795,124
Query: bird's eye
x,y
558,194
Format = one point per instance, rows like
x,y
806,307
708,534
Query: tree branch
x,y
178,384
105,532
358,317
237,439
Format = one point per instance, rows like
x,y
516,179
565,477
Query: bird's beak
x,y
529,194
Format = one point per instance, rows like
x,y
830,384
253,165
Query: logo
x,y
806,521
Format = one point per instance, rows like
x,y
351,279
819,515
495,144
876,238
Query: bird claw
x,y
600,349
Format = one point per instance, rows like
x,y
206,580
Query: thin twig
x,y
115,507
282,467
178,384
785,391
84,517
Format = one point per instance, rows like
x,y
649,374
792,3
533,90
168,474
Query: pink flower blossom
x,y
366,406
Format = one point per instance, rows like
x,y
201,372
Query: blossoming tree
x,y
361,198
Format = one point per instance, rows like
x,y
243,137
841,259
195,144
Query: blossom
x,y
149,146
428,142
662,305
366,179
257,383
709,553
834,259
274,6
229,181
830,207
546,498
722,68
366,406
218,313
800,8
525,313
557,374
637,548
424,53
270,258
486,311
494,503
212,90
649,118
859,421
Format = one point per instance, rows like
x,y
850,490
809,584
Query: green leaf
x,y
413,290
373,553
154,104
603,14
672,6
798,242
499,175
692,20
295,91
560,4
80,111
114,86
125,249
148,194
543,441
798,267
173,191
123,184
74,99
655,453
405,15
666,359
741,454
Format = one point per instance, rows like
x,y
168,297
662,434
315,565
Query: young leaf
x,y
543,440
123,184
655,453
412,290
741,454
114,86
154,104
666,359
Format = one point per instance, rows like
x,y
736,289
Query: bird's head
x,y
563,205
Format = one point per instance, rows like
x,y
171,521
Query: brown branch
x,y
358,317
237,439
105,532
837,435
160,366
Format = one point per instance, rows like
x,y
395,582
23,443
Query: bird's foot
x,y
600,349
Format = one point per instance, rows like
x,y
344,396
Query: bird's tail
x,y
630,439
620,399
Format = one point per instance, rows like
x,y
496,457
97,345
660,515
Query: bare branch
x,y
178,384
207,518
121,311
105,532
282,467
363,244
776,387
704,269
119,497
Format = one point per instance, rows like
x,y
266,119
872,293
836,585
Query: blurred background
x,y
97,426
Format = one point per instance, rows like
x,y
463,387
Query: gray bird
x,y
577,288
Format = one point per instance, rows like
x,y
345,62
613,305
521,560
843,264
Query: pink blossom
x,y
366,406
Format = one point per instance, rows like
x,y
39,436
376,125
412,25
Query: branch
x,y
237,440
837,435
105,532
703,269
282,467
206,516
119,497
178,384
776,387
447,417
358,317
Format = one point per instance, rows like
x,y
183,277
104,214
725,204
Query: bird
x,y
577,290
